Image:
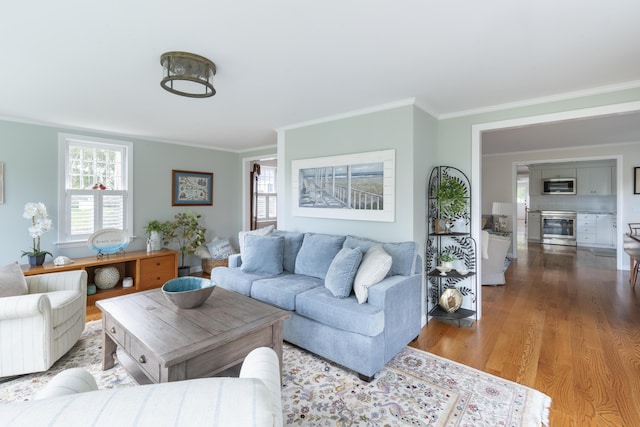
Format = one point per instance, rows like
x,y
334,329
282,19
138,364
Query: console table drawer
x,y
154,272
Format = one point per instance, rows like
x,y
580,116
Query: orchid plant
x,y
40,224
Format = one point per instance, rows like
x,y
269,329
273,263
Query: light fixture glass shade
x,y
187,74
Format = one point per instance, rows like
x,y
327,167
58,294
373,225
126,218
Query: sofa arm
x,y
400,297
235,261
61,281
262,363
23,306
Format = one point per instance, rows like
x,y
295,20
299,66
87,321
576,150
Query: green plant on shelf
x,y
447,257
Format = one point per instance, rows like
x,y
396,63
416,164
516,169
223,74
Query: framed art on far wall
x,y
636,180
191,188
358,186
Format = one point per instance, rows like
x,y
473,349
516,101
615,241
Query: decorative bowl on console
x,y
188,292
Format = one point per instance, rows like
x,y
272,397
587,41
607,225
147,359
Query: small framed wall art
x,y
191,188
636,180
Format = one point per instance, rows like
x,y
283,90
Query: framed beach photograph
x,y
357,186
1,183
191,188
636,180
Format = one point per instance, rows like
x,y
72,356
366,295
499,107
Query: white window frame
x,y
64,140
267,195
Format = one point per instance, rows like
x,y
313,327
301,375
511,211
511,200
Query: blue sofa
x,y
312,276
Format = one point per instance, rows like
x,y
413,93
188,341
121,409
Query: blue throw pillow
x,y
316,254
292,244
262,254
342,271
402,253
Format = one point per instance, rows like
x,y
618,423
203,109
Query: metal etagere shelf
x,y
455,239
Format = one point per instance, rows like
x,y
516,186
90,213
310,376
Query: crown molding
x,y
542,100
349,114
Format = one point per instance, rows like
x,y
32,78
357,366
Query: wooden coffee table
x,y
166,343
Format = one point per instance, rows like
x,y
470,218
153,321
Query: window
x,y
266,194
95,186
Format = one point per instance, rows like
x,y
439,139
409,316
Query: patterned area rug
x,y
416,388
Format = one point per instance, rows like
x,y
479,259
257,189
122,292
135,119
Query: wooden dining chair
x,y
632,248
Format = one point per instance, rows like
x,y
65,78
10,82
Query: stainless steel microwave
x,y
558,186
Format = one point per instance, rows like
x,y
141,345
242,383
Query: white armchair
x,y
38,328
494,253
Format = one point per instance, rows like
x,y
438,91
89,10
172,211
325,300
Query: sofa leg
x,y
366,378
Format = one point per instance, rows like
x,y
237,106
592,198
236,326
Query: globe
x,y
451,300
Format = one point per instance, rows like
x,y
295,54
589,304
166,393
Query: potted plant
x,y
452,198
40,224
154,229
186,231
446,259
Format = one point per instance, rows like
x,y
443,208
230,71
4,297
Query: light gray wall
x,y
398,129
30,152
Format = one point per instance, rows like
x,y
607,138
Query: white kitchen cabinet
x,y
535,182
594,181
586,229
595,230
604,225
559,173
533,227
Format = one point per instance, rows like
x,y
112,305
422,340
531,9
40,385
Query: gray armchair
x,y
38,328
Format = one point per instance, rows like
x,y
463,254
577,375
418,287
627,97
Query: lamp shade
x,y
187,74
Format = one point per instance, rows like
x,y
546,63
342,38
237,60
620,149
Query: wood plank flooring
x,y
566,323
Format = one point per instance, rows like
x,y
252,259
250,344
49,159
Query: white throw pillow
x,y
12,281
375,265
259,232
202,252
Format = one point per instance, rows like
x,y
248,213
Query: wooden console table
x,y
148,271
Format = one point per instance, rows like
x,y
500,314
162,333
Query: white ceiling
x,y
94,65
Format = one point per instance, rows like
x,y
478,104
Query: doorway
x,y
476,160
259,192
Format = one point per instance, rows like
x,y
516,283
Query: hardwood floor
x,y
566,323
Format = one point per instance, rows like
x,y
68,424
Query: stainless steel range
x,y
558,227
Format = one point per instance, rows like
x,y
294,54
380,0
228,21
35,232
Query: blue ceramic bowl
x,y
188,292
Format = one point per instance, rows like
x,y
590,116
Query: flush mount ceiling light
x,y
187,74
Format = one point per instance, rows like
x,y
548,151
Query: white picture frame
x,y
358,186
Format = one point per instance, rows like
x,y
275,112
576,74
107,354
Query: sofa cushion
x,y
292,244
316,254
265,231
402,253
345,313
12,281
282,291
374,267
342,271
234,279
263,254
